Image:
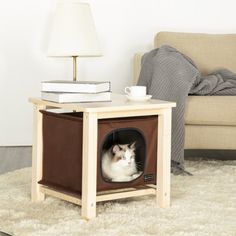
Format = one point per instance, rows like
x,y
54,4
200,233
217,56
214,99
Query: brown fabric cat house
x,y
62,149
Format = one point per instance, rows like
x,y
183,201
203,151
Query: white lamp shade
x,y
73,31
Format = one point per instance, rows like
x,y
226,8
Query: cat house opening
x,y
123,155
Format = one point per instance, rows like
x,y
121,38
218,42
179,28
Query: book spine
x,y
73,88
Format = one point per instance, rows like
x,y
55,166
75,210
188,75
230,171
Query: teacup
x,y
136,91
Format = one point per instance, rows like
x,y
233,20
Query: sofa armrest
x,y
136,67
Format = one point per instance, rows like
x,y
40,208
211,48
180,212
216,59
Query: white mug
x,y
136,91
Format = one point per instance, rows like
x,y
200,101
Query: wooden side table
x,y
119,107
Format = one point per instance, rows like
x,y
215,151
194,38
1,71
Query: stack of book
x,y
63,91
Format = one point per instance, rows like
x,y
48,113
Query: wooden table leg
x,y
89,166
164,157
36,195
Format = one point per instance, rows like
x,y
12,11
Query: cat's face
x,y
124,155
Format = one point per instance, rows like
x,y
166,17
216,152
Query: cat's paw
x,y
136,175
123,179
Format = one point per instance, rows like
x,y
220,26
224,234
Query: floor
x,y
202,205
12,158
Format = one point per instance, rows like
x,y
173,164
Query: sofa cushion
x,y
210,137
208,51
210,110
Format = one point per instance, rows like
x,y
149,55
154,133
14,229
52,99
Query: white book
x,y
76,97
75,86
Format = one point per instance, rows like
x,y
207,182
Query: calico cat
x,y
118,163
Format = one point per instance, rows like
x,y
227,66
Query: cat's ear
x,y
115,149
132,145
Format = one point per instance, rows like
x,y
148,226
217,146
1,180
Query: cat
x,y
118,163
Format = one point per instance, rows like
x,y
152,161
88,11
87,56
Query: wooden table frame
x,y
119,107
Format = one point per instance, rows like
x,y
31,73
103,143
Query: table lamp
x,y
73,32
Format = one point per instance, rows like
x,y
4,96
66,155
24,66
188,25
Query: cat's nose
x,y
129,162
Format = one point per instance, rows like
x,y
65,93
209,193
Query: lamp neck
x,y
74,68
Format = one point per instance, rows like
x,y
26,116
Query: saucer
x,y
139,99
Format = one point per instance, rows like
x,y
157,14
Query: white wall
x,y
124,27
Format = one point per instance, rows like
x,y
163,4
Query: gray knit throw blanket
x,y
172,76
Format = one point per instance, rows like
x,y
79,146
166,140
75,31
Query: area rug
x,y
201,205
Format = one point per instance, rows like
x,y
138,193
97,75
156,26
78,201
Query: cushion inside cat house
x,y
121,139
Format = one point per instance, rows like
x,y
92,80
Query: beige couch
x,y
210,121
